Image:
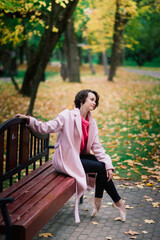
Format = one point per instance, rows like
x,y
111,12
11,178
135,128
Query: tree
x,y
71,52
141,34
124,11
98,31
55,15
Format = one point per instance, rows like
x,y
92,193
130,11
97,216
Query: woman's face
x,y
90,102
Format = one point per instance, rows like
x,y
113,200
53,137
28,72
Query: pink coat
x,y
67,147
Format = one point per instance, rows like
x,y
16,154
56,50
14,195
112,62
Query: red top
x,y
85,125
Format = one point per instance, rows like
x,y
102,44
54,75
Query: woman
x,y
78,135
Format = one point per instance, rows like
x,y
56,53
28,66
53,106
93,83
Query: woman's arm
x,y
51,126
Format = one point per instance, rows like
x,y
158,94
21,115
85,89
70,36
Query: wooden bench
x,y
30,202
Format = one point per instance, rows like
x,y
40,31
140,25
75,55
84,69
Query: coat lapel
x,y
78,121
91,132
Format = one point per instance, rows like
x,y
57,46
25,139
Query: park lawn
x,y
127,116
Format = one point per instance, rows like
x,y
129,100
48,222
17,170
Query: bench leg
x,y
81,200
7,221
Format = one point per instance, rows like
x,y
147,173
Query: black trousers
x,y
92,165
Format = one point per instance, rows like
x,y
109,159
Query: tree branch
x,y
24,15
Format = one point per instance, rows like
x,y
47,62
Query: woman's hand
x,y
23,116
109,174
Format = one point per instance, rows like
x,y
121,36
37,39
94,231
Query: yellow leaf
x,y
46,235
149,199
95,223
49,8
155,204
149,221
116,177
72,205
144,232
149,184
128,207
54,29
130,232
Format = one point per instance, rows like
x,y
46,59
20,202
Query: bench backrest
x,y
21,150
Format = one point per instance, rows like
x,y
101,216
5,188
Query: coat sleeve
x,y
51,126
100,153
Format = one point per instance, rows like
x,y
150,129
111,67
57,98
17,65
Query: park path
x,y
150,73
143,217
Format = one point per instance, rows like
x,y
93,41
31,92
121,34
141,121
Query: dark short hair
x,y
81,96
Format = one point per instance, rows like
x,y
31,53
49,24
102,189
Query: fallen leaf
x,y
155,204
149,199
46,235
149,184
130,232
149,221
104,206
127,183
85,209
116,178
146,196
144,177
129,174
72,205
128,207
95,223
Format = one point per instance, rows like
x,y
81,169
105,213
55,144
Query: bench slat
x,y
29,193
31,203
38,216
12,146
35,182
7,192
24,144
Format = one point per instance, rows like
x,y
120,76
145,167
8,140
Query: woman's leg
x,y
92,165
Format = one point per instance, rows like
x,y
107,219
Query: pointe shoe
x,y
96,202
122,214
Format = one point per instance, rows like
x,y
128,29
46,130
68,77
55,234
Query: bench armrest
x,y
50,146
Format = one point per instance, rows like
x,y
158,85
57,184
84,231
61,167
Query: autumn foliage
x,y
128,116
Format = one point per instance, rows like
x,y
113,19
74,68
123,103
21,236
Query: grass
x,y
136,135
151,65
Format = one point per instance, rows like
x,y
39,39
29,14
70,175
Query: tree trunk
x,y
119,25
71,52
90,62
59,18
105,63
21,54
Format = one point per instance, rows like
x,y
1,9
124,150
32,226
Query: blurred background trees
x,y
112,33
